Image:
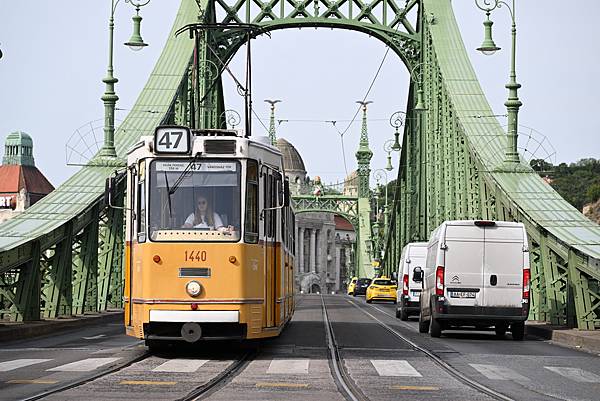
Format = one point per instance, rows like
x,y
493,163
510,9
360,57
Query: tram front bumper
x,y
192,326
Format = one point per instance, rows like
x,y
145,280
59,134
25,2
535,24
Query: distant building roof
x,y
18,149
18,171
342,224
14,178
292,162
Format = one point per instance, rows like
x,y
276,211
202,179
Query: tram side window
x,y
251,218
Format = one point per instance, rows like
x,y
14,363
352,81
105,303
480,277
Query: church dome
x,y
292,162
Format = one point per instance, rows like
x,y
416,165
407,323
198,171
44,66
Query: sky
x,y
55,56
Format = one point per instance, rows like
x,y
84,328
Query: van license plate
x,y
416,293
462,294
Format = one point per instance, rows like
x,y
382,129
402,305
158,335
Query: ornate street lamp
x,y
511,160
110,97
416,75
380,174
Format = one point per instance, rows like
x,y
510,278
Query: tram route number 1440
x,y
195,256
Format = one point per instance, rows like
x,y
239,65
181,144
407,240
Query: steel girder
x,y
447,171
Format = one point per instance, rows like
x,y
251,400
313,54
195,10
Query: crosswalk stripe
x,y
85,365
394,368
19,363
288,367
495,372
180,365
576,374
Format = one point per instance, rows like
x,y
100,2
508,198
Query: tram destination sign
x,y
172,140
204,167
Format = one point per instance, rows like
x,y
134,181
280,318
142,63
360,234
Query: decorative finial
x,y
272,132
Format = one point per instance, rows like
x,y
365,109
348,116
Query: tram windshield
x,y
194,200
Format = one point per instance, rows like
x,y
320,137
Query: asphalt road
x,y
378,359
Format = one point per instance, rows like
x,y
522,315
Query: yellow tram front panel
x,y
233,280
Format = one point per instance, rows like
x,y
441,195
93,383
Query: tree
x,y
593,193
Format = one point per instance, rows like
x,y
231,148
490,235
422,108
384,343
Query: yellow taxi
x,y
352,285
382,289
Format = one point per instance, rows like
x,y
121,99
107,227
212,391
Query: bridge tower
x,y
363,158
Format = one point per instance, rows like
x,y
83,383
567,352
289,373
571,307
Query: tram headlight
x,y
193,288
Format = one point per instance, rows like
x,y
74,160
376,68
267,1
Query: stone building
x,y
21,183
324,242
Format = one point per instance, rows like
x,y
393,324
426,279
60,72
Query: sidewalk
x,y
588,341
16,331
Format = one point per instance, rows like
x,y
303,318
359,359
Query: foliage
x,y
578,183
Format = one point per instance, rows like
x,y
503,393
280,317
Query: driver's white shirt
x,y
204,224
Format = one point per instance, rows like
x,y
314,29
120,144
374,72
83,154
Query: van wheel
x,y
435,328
501,329
403,314
398,313
423,325
517,330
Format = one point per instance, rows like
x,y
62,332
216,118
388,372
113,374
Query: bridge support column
x,y
311,249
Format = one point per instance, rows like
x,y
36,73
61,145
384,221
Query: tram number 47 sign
x,y
172,139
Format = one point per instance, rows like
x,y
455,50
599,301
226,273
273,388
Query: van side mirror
x,y
417,275
109,190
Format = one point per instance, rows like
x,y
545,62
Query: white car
x,y
477,274
410,274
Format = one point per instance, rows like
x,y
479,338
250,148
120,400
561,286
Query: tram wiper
x,y
182,176
169,196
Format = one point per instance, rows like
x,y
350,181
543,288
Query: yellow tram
x,y
209,238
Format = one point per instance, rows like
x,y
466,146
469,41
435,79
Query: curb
x,y
19,331
588,341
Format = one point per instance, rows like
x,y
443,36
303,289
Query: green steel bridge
x,y
63,256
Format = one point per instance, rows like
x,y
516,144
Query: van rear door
x,y
417,255
464,264
503,265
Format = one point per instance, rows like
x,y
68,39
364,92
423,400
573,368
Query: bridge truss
x,y
63,255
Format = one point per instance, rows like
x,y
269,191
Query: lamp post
x,y
110,97
511,158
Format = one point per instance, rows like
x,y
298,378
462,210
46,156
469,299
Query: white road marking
x,y
85,365
394,368
19,363
94,337
495,372
180,365
576,374
288,367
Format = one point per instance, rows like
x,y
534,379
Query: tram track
x,y
436,359
90,378
343,381
222,379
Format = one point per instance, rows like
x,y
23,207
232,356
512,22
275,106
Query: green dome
x,y
18,149
19,138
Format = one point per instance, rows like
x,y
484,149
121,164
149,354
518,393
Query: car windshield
x,y
194,200
384,282
364,281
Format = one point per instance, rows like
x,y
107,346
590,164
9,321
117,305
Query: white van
x,y
410,273
477,274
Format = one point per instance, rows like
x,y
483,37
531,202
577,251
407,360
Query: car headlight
x,y
193,288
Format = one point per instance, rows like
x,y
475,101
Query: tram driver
x,y
204,217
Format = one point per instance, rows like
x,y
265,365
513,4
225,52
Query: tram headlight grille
x,y
193,288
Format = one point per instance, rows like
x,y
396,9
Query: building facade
x,y
324,242
21,183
